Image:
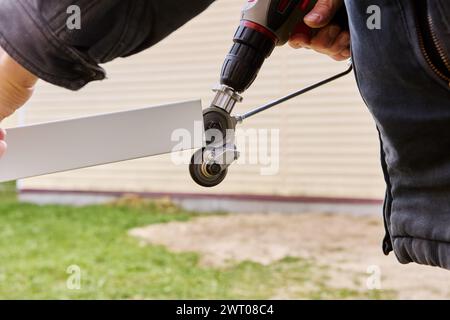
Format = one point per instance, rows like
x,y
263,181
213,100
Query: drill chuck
x,y
252,44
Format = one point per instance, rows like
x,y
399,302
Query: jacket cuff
x,y
27,38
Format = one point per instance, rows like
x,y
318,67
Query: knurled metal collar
x,y
226,98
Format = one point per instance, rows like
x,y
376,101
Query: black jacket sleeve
x,y
35,33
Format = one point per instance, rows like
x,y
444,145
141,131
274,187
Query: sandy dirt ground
x,y
350,246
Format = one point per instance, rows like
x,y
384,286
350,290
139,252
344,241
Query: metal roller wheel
x,y
204,174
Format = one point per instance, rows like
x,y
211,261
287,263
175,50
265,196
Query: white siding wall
x,y
328,141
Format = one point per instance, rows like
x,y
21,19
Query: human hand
x,y
2,142
330,39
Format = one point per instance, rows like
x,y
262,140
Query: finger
x,y
342,42
344,55
324,40
338,57
2,134
299,40
323,13
3,147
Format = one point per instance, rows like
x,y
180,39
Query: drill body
x,y
264,25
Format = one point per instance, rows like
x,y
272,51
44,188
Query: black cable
x,y
293,95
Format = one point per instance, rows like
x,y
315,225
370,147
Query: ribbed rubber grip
x,y
246,58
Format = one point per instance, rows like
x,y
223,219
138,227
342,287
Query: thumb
x,y
323,13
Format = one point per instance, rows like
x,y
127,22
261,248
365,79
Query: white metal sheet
x,y
84,142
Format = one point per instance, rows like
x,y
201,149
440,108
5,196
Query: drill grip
x,y
246,57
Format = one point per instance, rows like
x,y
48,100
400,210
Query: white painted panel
x,y
58,146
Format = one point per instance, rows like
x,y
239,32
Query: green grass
x,y
39,243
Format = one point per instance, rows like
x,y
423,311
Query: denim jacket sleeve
x,y
35,33
405,86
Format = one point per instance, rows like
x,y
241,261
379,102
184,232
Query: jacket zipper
x,y
438,50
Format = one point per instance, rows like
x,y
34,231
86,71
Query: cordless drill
x,y
264,25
